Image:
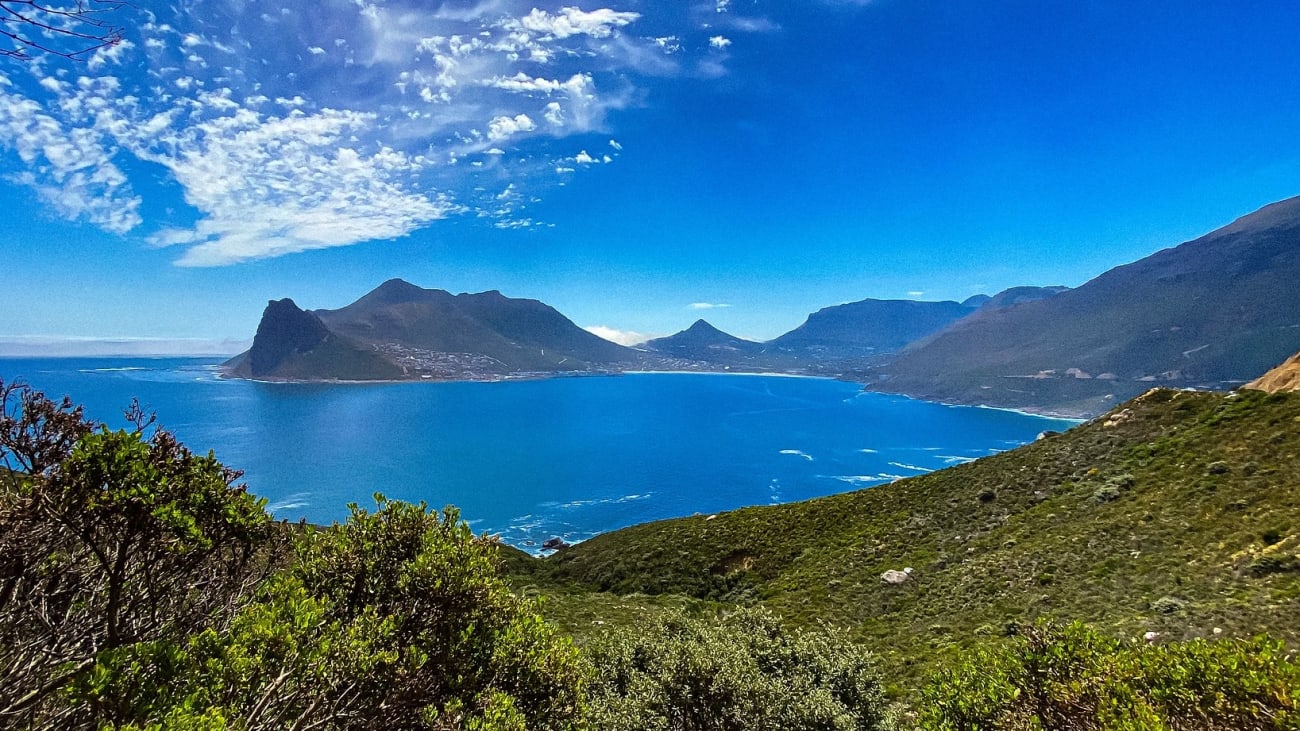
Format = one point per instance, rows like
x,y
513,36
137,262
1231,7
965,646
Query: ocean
x,y
531,460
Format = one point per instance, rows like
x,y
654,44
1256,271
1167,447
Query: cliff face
x,y
868,327
285,329
1285,377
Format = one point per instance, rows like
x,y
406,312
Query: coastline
x,y
1077,417
1064,415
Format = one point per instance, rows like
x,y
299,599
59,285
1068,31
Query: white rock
x,y
896,577
1151,636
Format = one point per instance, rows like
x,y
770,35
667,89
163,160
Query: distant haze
x,y
59,347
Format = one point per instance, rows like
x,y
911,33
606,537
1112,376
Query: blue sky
x,y
635,164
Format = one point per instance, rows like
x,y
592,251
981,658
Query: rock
x,y
1151,636
554,544
896,577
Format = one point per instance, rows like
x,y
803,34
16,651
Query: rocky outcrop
x,y
1285,377
285,330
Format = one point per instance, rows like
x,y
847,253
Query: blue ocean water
x,y
568,457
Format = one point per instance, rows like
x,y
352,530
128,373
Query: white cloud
x,y
70,167
670,44
719,42
622,337
573,21
269,186
706,306
502,127
400,115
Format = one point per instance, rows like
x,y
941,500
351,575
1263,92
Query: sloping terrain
x,y
1214,312
1285,377
1177,513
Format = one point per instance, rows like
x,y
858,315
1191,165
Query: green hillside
x,y
1178,513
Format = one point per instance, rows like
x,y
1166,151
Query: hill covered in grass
x,y
1176,513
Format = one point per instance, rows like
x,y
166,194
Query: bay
x,y
531,460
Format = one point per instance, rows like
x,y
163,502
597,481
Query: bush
x,y
141,588
744,672
395,619
1071,677
1168,605
109,539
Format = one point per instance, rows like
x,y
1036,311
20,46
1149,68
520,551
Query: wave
x,y
866,480
112,370
600,501
798,453
910,467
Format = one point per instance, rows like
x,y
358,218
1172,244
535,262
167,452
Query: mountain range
x,y
1214,312
1211,313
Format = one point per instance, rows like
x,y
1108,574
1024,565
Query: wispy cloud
x,y
310,125
706,305
622,337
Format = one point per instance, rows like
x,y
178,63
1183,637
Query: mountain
x,y
1017,296
702,342
294,344
1285,377
1176,513
399,330
1213,312
867,328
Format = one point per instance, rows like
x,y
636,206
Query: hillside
x,y
1214,312
401,331
1285,377
1177,513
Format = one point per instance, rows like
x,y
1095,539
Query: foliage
x,y
1072,677
745,672
140,588
108,538
394,619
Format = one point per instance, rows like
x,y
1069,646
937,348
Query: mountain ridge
x,y
1213,312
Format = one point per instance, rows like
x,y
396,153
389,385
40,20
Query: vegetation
x,y
109,539
743,673
1071,677
141,588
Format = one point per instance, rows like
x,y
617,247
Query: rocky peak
x,y
285,329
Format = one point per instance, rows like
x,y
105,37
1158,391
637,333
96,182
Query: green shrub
x,y
395,619
1168,605
744,672
1071,677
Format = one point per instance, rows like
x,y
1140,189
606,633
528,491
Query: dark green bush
x,y
1072,677
744,672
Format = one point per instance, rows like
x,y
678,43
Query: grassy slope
x,y
1205,511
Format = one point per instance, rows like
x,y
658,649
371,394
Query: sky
x,y
637,165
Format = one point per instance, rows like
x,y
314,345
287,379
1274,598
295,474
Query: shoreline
x,y
1071,416
1076,417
